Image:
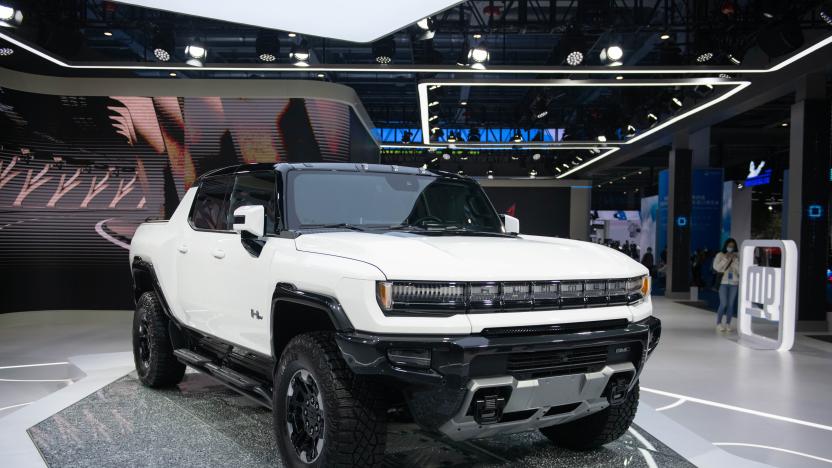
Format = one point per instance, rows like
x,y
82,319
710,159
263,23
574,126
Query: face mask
x,y
729,249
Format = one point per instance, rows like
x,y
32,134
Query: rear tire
x,y
596,429
152,350
324,415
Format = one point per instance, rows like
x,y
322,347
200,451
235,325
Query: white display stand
x,y
769,293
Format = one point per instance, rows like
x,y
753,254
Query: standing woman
x,y
727,262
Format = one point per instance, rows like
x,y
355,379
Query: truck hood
x,y
408,256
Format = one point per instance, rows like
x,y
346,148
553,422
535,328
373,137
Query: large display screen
x,y
78,174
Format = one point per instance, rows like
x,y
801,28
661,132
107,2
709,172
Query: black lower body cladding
x,y
434,371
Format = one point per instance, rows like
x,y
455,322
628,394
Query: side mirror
x,y
250,219
511,225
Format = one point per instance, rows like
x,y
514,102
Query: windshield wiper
x,y
404,227
349,226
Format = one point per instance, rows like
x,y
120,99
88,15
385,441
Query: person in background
x,y
727,262
647,260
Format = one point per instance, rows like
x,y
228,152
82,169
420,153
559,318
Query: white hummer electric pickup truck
x,y
341,294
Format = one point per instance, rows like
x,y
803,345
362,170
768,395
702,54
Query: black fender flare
x,y
287,292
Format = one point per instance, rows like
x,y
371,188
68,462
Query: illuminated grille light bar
x,y
441,298
428,293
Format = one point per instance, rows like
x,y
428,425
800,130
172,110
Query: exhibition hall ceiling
x,y
589,73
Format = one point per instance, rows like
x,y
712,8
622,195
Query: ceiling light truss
x,y
733,87
490,70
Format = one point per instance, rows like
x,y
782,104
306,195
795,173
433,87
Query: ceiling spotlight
x,y
6,51
558,169
542,114
536,157
784,124
676,101
432,118
490,174
664,36
725,76
651,116
108,33
9,17
433,103
478,55
532,174
451,137
566,166
477,36
446,156
631,131
267,45
432,87
518,137
383,50
321,75
574,58
704,57
299,54
425,23
291,34
826,13
602,138
425,26
196,53
619,77
736,59
463,103
579,158
612,55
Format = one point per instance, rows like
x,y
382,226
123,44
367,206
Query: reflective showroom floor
x,y
705,400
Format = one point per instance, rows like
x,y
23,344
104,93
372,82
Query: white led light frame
x,y
289,68
736,87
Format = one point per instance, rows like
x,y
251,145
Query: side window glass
x,y
211,204
255,188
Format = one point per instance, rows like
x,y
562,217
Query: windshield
x,y
369,199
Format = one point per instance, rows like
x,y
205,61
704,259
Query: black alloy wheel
x,y
305,416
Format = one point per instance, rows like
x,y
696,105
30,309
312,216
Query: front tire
x,y
324,415
152,349
596,429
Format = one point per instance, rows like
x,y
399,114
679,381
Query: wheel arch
x,y
295,311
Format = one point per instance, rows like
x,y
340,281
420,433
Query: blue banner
x,y
661,219
706,209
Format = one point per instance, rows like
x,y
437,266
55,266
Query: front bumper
x,y
537,375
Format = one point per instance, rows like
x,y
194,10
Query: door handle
x,y
218,253
182,248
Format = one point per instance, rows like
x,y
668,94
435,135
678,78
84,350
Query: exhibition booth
x,y
437,234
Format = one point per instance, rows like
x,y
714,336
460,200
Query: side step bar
x,y
247,386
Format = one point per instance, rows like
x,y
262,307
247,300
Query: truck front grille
x,y
533,365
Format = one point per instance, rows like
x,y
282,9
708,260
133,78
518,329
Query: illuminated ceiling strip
x,y
423,69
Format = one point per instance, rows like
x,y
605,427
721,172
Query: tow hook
x,y
618,389
489,408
